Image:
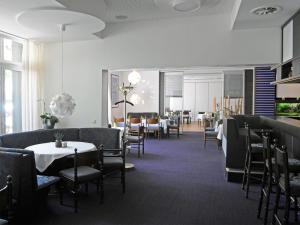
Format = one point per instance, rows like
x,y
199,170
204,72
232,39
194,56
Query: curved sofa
x,y
20,163
109,137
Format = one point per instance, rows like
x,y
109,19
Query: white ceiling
x,y
31,18
246,20
137,10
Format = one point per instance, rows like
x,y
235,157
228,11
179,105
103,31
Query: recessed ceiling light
x,y
266,10
121,17
186,5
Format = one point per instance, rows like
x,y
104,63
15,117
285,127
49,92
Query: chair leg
x,y
248,176
178,133
98,185
61,194
287,208
75,199
263,184
123,180
296,209
143,146
86,188
277,199
139,148
269,190
245,170
101,189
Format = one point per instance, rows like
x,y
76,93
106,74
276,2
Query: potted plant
x,y
49,120
58,139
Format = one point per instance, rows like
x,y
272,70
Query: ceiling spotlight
x,y
186,5
266,10
121,17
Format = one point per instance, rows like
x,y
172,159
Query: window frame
x,y
10,65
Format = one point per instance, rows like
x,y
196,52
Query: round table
x,y
46,153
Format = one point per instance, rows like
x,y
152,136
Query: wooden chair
x,y
174,126
6,201
135,123
76,176
136,139
154,126
110,161
119,122
186,116
209,133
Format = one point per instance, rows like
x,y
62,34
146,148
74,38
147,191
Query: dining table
x,y
46,153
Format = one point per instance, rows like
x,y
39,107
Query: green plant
x,y
49,117
58,136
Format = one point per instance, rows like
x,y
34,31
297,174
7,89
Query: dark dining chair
x,y
110,162
76,176
29,189
6,200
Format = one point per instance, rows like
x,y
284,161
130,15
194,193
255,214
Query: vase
x,y
48,125
58,143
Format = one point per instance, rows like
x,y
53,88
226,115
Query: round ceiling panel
x,y
48,20
185,6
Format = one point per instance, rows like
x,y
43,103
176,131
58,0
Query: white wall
x,y
181,42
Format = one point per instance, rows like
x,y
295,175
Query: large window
x,y
11,70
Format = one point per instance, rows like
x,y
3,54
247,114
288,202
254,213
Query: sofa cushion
x,y
108,137
84,173
70,134
46,181
19,140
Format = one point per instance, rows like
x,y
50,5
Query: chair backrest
x,y
267,151
20,164
6,197
117,120
186,112
135,120
281,166
152,121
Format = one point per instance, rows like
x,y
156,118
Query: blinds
x,y
264,91
173,85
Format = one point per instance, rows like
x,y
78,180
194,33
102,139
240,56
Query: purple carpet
x,y
176,182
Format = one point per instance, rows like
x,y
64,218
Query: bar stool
x,y
268,177
253,161
285,184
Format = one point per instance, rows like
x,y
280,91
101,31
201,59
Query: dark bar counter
x,y
288,131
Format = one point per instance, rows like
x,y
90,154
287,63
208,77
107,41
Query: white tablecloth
x,y
46,153
220,132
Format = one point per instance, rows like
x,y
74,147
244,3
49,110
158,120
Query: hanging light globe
x,y
62,105
134,77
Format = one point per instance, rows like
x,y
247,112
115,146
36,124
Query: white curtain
x,y
33,88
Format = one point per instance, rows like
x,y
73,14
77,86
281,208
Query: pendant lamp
x,y
62,105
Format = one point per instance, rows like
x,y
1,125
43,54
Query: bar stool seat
x,y
294,164
3,222
294,184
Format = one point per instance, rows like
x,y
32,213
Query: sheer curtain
x,y
33,99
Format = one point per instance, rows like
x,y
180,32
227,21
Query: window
x,y
11,71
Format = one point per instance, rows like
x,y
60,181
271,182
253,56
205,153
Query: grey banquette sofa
x,y
28,187
142,114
